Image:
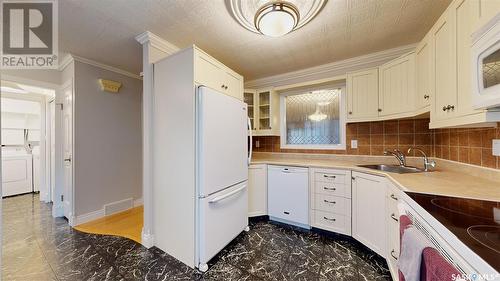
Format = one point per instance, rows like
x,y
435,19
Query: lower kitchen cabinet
x,y
330,195
369,211
257,190
392,219
288,195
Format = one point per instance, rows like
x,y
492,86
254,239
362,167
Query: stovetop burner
x,y
488,235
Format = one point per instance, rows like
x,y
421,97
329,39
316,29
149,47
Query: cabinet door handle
x,y
380,110
393,254
452,107
444,108
350,112
393,216
426,96
329,188
223,86
327,176
328,219
394,197
331,202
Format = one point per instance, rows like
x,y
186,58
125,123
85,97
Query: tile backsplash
x,y
473,146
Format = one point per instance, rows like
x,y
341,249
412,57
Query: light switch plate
x,y
354,144
496,147
257,144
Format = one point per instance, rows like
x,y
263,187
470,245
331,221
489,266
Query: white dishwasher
x,y
288,195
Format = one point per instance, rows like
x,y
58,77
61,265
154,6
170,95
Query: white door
x,y
52,159
368,211
68,149
222,141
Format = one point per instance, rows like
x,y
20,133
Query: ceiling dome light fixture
x,y
276,19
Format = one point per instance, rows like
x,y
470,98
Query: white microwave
x,y
486,65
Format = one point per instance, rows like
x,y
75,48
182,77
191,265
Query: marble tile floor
x,y
39,247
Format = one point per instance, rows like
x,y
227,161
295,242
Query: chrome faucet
x,y
427,163
399,155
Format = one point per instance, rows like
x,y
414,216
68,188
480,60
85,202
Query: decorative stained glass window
x,y
313,119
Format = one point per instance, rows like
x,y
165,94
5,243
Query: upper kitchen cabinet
x,y
249,97
267,113
362,95
213,74
484,11
442,37
452,73
397,87
423,67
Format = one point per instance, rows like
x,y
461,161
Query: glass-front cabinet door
x,y
249,97
264,111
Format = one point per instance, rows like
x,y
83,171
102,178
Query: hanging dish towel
x,y
436,268
410,259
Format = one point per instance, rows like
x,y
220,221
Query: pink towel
x,y
435,267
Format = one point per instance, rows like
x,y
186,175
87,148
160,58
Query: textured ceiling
x,y
104,30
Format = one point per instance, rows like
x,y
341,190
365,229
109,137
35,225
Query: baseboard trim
x,y
147,238
57,210
77,220
87,217
138,202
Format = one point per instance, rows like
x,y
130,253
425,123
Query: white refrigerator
x,y
221,172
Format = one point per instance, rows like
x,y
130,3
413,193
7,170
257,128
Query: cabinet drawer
x,y
332,222
334,189
330,177
332,204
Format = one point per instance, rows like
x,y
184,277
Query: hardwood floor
x,y
126,224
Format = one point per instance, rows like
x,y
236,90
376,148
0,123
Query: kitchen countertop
x,y
448,179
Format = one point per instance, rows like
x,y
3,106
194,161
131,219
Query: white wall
x,y
107,139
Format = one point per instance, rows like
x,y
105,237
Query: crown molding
x,y
157,42
106,67
66,60
70,58
330,69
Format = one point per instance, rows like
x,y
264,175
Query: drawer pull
x,y
394,197
328,219
331,202
393,254
327,176
286,213
393,216
329,188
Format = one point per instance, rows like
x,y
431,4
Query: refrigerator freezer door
x,y
223,216
222,141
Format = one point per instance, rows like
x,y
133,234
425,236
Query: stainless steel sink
x,y
393,168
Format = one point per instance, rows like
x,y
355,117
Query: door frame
x,y
59,187
44,114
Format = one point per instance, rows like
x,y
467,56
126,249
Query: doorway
x,y
36,128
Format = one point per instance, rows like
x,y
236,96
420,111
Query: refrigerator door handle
x,y
251,141
222,197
